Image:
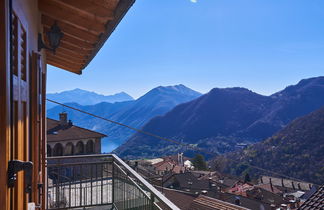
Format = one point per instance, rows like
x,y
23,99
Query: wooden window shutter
x,y
20,106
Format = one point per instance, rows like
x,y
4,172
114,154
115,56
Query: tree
x,y
247,178
199,162
219,164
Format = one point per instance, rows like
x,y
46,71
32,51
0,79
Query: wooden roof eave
x,y
121,10
64,67
67,15
69,29
82,40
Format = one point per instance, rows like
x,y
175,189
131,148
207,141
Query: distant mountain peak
x,y
122,94
78,90
312,80
231,89
85,97
301,86
232,92
177,88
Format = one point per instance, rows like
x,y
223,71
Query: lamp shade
x,y
54,36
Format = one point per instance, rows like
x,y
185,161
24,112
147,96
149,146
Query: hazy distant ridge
x,y
135,113
84,97
223,117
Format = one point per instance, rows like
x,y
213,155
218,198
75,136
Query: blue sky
x,y
263,45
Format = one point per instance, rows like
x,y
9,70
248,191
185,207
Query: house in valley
x,y
64,138
315,201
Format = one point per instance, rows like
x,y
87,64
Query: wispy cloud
x,y
194,1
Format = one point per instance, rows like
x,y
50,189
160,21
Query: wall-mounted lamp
x,y
54,37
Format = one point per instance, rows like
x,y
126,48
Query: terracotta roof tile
x,y
57,132
181,199
208,203
316,201
269,188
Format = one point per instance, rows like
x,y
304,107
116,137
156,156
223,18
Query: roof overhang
x,y
86,25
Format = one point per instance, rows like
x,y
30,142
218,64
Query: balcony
x,y
99,182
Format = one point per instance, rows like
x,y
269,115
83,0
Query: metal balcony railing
x,y
89,181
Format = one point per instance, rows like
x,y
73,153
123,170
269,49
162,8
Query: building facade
x,y
34,33
64,138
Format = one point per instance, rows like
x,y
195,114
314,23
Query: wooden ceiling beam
x,y
70,29
66,66
80,43
58,65
47,28
105,3
77,42
63,62
70,16
85,6
69,58
64,51
70,47
85,30
67,50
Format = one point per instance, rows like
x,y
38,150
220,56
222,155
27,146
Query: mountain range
x,y
296,151
84,97
222,118
134,113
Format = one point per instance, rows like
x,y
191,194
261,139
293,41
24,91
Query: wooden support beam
x,y
69,58
120,11
70,29
71,16
77,42
66,61
70,47
84,28
63,66
57,61
61,60
76,46
66,38
70,53
105,3
71,69
47,28
98,12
